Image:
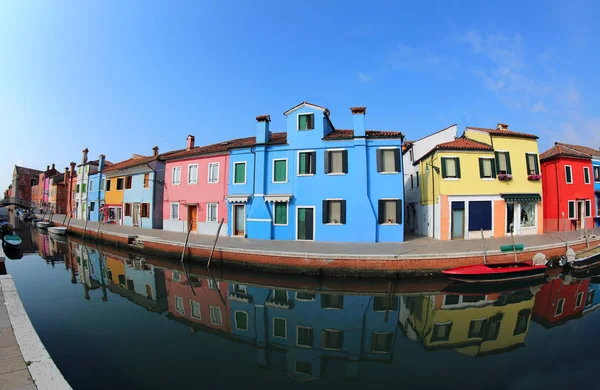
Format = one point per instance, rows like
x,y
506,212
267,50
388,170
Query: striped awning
x,y
521,198
238,198
285,198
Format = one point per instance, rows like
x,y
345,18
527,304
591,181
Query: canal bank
x,y
24,362
418,256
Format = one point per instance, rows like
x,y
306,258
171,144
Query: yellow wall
x,y
113,196
470,182
480,136
116,267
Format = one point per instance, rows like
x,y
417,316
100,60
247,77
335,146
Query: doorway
x,y
135,214
510,218
239,220
192,217
306,223
458,220
581,216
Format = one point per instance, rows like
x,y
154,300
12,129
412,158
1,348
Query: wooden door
x,y
193,217
305,223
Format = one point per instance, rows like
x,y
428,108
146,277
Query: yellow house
x,y
486,181
113,198
115,269
471,325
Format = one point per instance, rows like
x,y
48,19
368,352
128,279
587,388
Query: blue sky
x,y
121,77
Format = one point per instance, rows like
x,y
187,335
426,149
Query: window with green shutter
x,y
306,163
281,213
571,209
83,188
77,188
451,167
306,121
279,171
239,174
487,170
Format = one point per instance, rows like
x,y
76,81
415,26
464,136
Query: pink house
x,y
196,186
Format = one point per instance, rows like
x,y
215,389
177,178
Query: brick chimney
x,y
101,162
190,142
502,126
47,168
66,178
52,166
358,120
155,151
84,155
73,169
262,129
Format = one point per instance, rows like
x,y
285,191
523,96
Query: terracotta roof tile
x,y
130,163
504,133
349,134
582,149
462,143
27,171
564,150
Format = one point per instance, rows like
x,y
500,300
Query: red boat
x,y
493,273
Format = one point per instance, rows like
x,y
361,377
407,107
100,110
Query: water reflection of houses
x,y
473,325
560,301
592,301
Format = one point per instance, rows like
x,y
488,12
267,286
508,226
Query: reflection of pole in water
x,y
86,292
102,275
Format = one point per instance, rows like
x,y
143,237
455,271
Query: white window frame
x,y
287,167
331,331
298,163
457,167
298,336
178,168
580,299
245,173
218,172
298,207
588,201
90,186
342,150
562,308
334,200
378,333
574,209
211,284
235,319
214,309
491,159
188,174
571,169
285,327
305,300
390,148
589,177
177,299
287,217
171,210
192,310
298,120
208,204
103,184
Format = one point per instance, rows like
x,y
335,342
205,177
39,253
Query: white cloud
x,y
538,107
364,77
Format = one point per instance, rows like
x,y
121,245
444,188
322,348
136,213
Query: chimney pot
x,y
84,156
263,118
358,110
502,126
47,167
358,119
190,142
155,151
52,166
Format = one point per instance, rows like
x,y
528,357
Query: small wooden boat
x,y
492,287
584,259
493,273
11,241
58,230
42,224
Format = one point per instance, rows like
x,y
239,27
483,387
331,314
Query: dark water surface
x,y
115,320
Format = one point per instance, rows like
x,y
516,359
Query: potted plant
x,y
535,177
504,176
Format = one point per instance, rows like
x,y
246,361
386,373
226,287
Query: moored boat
x,y
42,224
584,259
11,240
58,230
493,273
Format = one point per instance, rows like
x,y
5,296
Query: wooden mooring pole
x,y
187,237
215,243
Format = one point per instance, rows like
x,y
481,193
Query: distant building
x,y
96,191
23,180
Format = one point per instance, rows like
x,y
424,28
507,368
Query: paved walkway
x,y
414,247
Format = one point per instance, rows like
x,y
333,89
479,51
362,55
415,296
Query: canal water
x,y
116,320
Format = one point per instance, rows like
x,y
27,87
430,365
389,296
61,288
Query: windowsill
x,y
279,182
451,178
389,224
306,174
389,173
191,184
305,129
280,224
176,184
213,182
488,179
334,224
336,174
239,184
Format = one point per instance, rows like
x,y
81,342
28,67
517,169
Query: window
x,y
77,188
212,212
568,174
174,210
586,175
441,332
280,328
588,208
503,163
241,320
215,315
487,170
213,172
579,299
212,284
128,181
450,167
176,180
417,179
381,342
145,211
193,174
476,328
335,162
239,289
597,173
304,336
598,206
33,182
120,184
280,296
411,155
572,209
195,309
305,296
91,186
103,185
73,194
329,301
452,299
334,212
92,206
281,213
83,188
304,368
280,171
532,164
179,305
411,182
480,215
332,339
492,330
307,163
146,180
128,209
528,215
522,322
385,303
559,307
108,185
306,121
239,173
390,211
388,160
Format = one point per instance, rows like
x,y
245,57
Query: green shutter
x,y
240,173
527,162
83,188
497,161
302,163
481,168
457,167
280,213
77,188
280,171
537,164
493,163
302,122
508,167
444,175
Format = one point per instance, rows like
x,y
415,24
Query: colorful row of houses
x,y
316,182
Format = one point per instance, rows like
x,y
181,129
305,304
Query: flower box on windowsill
x,y
535,177
504,177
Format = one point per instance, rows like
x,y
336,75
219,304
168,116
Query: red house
x,y
557,302
568,188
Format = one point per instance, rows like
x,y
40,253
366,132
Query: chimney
x,y
262,129
73,169
155,151
52,166
84,155
101,162
190,142
358,120
66,178
502,126
47,168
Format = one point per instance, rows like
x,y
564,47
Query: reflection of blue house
x,y
95,190
313,328
592,302
92,273
315,182
143,284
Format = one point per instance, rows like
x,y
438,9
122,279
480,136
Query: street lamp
x,y
437,170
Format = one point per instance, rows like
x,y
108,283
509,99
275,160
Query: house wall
x,y
596,163
547,298
138,194
96,195
199,194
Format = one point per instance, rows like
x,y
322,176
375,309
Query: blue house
x,y
95,190
315,182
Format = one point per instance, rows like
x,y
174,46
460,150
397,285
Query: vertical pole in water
x,y
484,249
513,245
187,237
215,243
85,227
101,217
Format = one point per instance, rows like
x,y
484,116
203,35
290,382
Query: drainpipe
x,y
432,196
